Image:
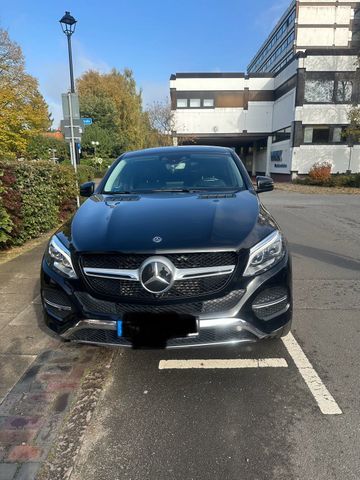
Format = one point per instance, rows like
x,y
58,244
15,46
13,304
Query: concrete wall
x,y
305,156
283,111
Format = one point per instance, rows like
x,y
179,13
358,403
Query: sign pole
x,y
72,146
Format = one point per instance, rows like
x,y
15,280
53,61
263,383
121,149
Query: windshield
x,y
175,172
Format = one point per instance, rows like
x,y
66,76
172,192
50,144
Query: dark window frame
x,y
336,77
330,128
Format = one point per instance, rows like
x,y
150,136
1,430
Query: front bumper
x,y
95,321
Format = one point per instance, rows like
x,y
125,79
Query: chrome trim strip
x,y
57,305
179,273
115,273
203,324
90,323
269,304
190,273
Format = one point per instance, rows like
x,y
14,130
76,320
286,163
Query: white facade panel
x,y
206,84
284,111
259,117
324,15
315,37
322,114
287,73
219,120
355,159
305,156
328,63
266,83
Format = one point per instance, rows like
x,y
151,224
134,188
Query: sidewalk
x,y
39,376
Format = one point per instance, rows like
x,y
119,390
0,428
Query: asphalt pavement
x,y
255,420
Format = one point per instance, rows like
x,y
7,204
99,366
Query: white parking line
x,y
223,363
324,399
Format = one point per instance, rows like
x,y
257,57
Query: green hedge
x,y
335,180
35,196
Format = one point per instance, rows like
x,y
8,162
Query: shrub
x,y
320,173
36,197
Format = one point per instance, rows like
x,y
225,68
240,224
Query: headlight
x,y
265,254
58,257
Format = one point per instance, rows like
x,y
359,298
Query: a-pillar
x,y
268,155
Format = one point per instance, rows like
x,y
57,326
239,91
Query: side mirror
x,y
264,184
87,189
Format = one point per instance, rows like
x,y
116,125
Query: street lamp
x,y
94,144
68,25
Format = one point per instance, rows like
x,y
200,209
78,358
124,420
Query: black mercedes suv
x,y
172,249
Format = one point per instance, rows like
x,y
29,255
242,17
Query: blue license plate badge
x,y
119,328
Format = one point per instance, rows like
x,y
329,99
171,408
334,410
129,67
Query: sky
x,y
154,38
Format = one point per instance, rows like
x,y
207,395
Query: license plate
x,y
154,329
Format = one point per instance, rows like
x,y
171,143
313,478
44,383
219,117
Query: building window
x,y
344,91
208,103
316,134
319,91
339,135
194,102
281,135
181,103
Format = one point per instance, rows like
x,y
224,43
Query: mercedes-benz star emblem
x,y
157,239
157,275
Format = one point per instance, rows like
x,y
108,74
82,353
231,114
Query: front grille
x,y
93,305
180,260
181,289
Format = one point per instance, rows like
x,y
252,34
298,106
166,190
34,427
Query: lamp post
x,y
94,144
68,25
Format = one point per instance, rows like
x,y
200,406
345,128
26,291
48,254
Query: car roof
x,y
179,149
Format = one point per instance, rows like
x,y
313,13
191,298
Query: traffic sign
x,y
74,105
77,127
87,121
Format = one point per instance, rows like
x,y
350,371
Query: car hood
x,y
181,221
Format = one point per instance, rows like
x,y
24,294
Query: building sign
x,y
277,160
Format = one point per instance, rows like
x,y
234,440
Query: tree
x,y
161,120
42,146
23,111
114,103
162,123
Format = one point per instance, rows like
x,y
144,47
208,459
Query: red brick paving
x,y
32,413
24,453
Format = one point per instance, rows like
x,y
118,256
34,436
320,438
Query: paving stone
x,y
24,453
24,339
49,431
7,471
12,437
28,471
26,380
16,422
61,386
29,316
7,405
29,286
33,404
14,302
12,368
